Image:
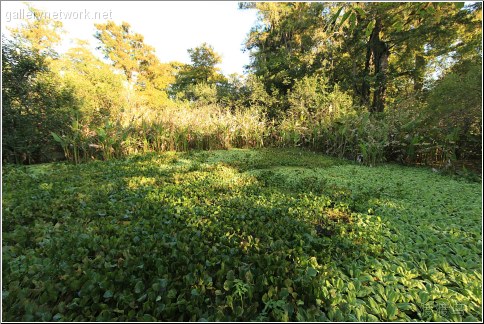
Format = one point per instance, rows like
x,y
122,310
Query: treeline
x,y
369,81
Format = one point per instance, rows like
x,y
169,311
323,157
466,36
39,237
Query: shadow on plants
x,y
191,236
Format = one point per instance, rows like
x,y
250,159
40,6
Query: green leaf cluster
x,y
277,235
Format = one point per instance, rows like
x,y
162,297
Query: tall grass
x,y
178,128
400,135
397,135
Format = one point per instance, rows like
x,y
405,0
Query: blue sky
x,y
171,27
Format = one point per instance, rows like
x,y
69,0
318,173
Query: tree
x,y
402,30
454,108
202,70
204,64
233,91
35,101
284,43
39,34
372,49
121,46
98,90
128,52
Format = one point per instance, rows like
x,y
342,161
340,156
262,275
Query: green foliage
x,y
202,93
137,60
99,92
312,101
267,235
177,128
308,95
124,48
378,52
199,79
282,43
204,59
71,144
259,98
35,102
455,107
316,71
233,92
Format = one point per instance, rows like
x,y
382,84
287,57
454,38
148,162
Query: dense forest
x,y
338,179
369,81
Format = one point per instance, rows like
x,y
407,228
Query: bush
x,y
454,110
320,119
35,102
98,91
308,97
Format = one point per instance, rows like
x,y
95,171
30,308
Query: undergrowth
x,y
266,235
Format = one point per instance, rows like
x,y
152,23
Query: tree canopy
x,y
375,79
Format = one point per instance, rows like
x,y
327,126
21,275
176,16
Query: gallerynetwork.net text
x,y
57,15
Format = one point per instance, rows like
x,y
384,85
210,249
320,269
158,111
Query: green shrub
x,y
35,102
454,111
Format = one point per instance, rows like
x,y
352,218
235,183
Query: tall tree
x,y
284,43
128,52
402,30
204,63
39,34
123,47
203,67
369,48
202,70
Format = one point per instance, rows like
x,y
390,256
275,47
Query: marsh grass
x,y
178,128
354,135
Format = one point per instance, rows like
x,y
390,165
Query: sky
x,y
171,27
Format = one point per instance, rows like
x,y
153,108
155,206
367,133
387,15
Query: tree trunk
x,y
380,54
419,72
365,86
364,91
